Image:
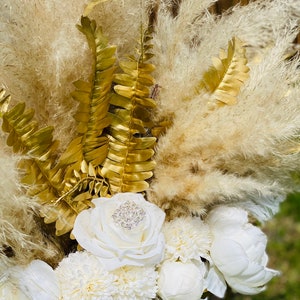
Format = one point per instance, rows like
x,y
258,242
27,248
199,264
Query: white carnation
x,y
82,276
135,283
186,238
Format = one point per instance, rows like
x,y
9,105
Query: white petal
x,y
241,288
226,216
216,283
10,291
229,256
179,281
38,281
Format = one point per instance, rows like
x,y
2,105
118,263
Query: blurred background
x,y
283,231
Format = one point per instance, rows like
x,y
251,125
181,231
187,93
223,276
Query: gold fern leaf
x,y
92,113
128,164
91,145
42,178
229,71
4,102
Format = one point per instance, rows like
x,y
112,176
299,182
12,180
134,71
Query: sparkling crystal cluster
x,y
128,215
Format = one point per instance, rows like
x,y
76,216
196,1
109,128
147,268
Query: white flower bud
x,y
181,281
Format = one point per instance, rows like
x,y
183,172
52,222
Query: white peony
x,y
81,275
238,250
181,281
122,230
186,238
36,280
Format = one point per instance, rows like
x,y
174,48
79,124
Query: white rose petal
x,y
181,281
122,230
238,250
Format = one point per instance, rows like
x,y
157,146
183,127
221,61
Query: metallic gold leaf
x,y
128,163
65,188
73,153
4,102
82,197
84,167
42,177
90,6
225,78
92,171
92,113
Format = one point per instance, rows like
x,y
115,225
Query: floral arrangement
x,y
152,186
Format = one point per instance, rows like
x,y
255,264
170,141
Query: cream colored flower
x,y
238,250
122,230
135,283
181,281
10,291
36,280
187,238
82,276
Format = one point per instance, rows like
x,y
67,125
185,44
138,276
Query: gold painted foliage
x,y
4,101
113,147
66,188
225,78
66,185
128,164
40,175
91,144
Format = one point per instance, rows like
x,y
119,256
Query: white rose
x,y
238,250
122,230
181,281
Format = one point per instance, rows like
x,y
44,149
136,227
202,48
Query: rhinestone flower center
x,y
128,215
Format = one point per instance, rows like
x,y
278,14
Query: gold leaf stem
x,y
76,186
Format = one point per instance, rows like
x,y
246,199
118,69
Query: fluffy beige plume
x,y
121,22
21,237
240,153
42,53
243,153
200,35
175,55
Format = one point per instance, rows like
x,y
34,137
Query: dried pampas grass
x,y
21,237
243,153
42,53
